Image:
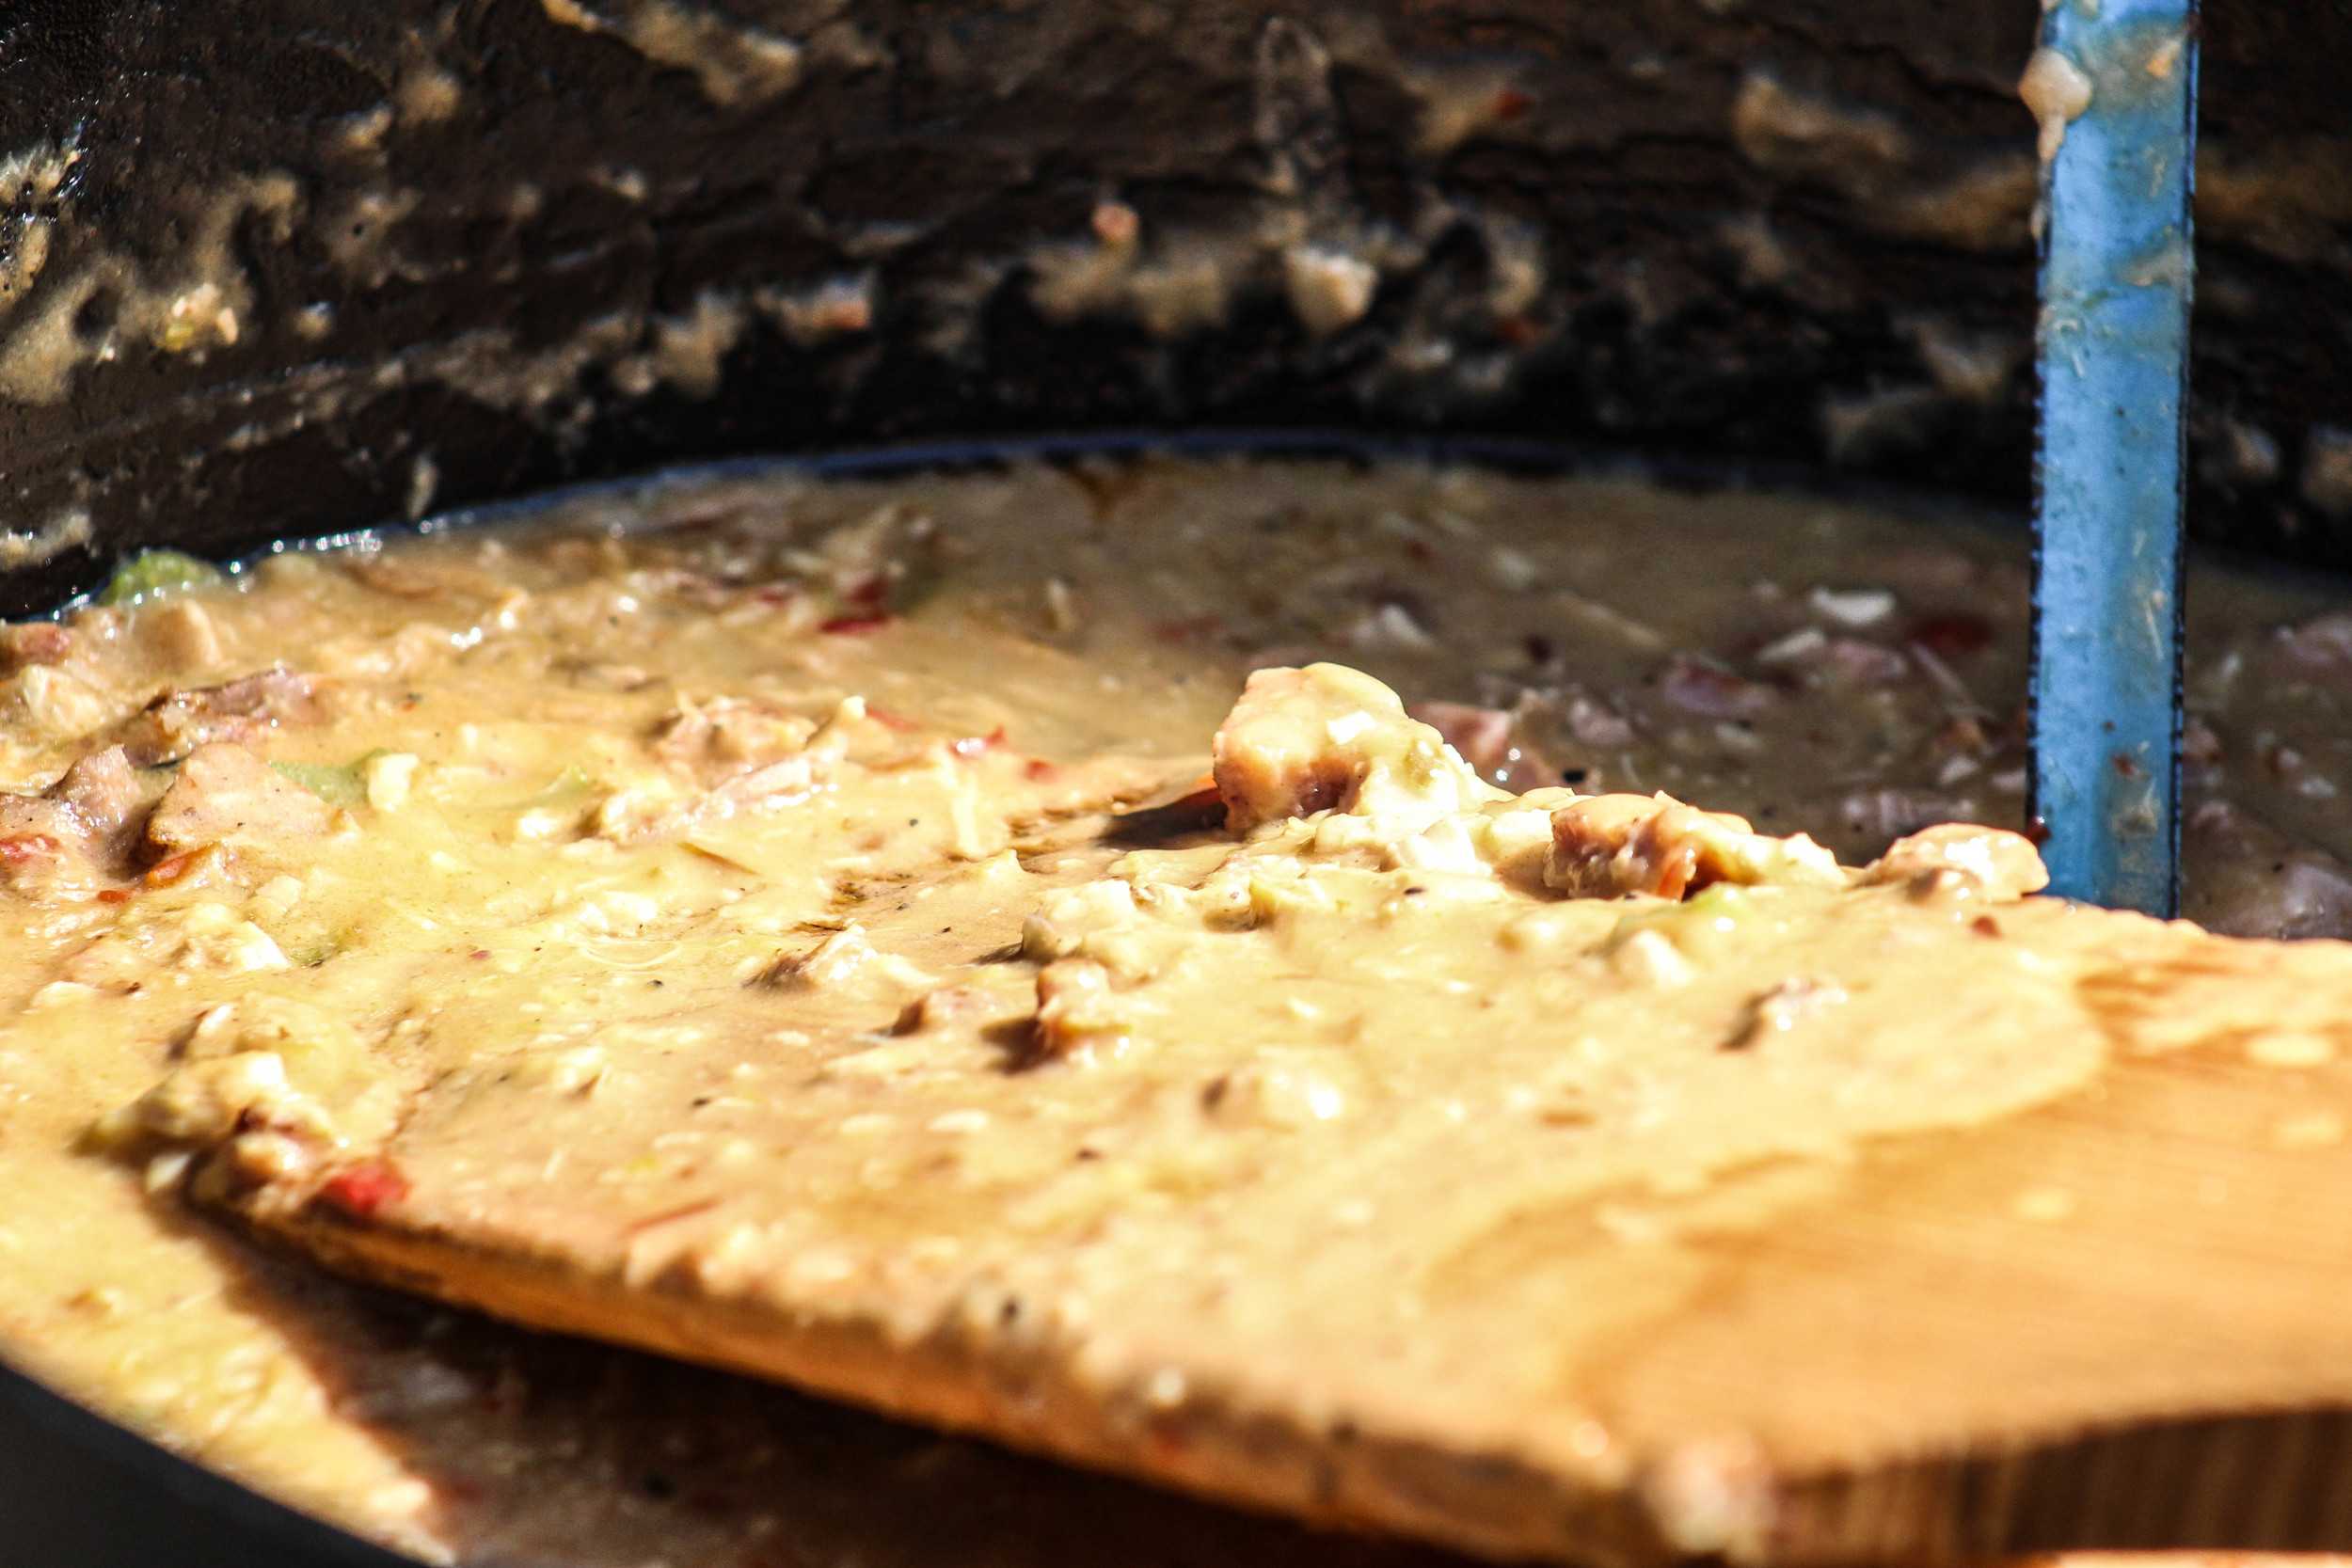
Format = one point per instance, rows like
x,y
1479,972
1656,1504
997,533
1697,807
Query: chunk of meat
x,y
177,722
183,634
729,731
225,792
1329,738
1857,662
1080,1013
1593,722
426,578
2322,644
101,789
1275,756
1708,689
2260,882
33,643
1610,845
1489,740
1996,864
77,829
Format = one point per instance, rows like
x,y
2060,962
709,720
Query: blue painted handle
x,y
2114,83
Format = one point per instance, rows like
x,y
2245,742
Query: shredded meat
x,y
1700,686
1489,740
439,580
80,826
34,642
2260,882
1596,723
103,790
2322,643
1854,661
177,722
1610,845
728,732
224,791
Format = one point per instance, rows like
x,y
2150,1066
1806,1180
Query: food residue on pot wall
x,y
1462,103
2327,470
732,62
735,64
201,304
68,530
831,308
29,183
358,234
427,95
1794,132
687,351
1418,291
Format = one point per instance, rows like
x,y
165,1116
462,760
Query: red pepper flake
x,y
888,719
479,953
853,626
775,594
974,745
114,896
22,849
871,592
1951,635
179,867
1037,769
1985,926
361,1190
1510,104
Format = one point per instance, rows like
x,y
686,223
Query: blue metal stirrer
x,y
2115,86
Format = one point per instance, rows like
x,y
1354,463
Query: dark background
x,y
490,292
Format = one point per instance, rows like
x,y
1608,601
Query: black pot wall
x,y
288,266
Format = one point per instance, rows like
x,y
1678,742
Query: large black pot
x,y
275,267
